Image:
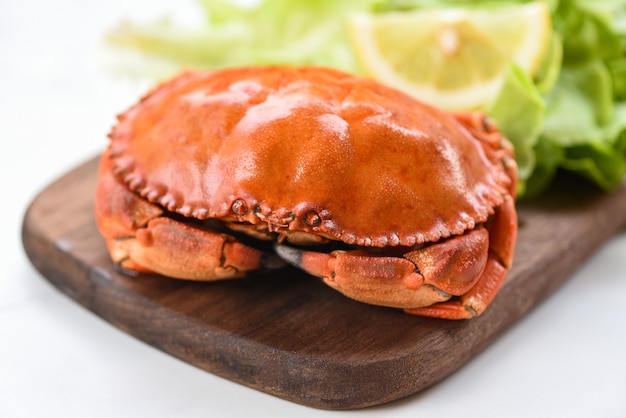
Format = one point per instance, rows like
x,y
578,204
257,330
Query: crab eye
x,y
313,219
239,207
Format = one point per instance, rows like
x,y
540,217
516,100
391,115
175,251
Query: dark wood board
x,y
288,334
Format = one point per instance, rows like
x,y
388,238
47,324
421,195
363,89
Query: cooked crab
x,y
389,200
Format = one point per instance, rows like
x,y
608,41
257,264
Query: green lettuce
x,y
584,129
272,31
520,110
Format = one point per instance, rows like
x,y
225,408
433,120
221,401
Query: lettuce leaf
x,y
272,31
585,119
519,110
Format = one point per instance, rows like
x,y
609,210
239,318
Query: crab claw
x,y
142,238
377,280
174,249
456,278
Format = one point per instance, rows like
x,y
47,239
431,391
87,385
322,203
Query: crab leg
x,y
503,233
422,277
471,304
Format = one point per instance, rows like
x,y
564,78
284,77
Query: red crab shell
x,y
313,149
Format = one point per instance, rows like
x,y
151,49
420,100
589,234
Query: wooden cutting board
x,y
288,334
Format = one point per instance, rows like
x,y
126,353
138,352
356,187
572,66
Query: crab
x,y
389,200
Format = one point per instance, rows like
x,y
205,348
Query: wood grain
x,y
288,334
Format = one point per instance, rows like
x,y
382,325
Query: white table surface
x,y
567,358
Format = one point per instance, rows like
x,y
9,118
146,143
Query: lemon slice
x,y
454,58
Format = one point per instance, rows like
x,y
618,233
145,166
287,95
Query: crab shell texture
x,y
391,201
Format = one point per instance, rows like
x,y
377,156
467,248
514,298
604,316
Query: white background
x,y
57,102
